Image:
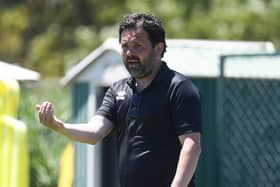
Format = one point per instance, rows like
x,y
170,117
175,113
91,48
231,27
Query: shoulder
x,y
182,83
119,85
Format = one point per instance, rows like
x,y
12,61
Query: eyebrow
x,y
135,41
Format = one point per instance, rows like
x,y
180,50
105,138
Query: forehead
x,y
134,34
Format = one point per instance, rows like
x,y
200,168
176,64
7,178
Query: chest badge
x,y
120,95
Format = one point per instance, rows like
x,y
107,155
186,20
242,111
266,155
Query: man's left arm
x,y
188,159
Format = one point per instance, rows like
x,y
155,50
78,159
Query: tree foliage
x,y
50,36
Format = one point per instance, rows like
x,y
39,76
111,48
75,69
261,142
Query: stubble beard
x,y
143,68
140,72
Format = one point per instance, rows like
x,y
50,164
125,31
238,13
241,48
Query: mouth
x,y
133,63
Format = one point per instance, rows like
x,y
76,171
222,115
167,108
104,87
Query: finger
x,y
45,106
42,106
48,111
38,107
48,117
49,108
40,111
43,112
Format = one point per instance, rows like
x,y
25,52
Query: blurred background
x,y
51,36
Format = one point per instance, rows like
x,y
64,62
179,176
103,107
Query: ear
x,y
160,48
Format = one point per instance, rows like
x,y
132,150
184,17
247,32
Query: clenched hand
x,y
46,114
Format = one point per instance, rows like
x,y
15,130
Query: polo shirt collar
x,y
161,74
131,82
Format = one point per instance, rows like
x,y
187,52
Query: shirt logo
x,y
120,95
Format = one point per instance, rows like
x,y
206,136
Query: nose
x,y
129,52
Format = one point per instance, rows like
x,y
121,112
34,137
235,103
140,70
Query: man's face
x,y
138,55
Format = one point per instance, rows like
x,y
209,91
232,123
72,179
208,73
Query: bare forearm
x,y
187,164
91,132
81,132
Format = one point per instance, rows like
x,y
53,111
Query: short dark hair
x,y
150,23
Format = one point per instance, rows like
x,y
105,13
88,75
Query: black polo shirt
x,y
148,124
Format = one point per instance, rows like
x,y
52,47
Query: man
x,y
155,113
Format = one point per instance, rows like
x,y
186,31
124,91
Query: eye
x,y
124,46
137,46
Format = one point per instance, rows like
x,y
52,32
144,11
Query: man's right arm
x,y
91,132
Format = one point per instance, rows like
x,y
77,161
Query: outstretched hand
x,y
46,114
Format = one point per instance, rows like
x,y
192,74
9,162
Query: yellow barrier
x,y
13,141
13,153
66,167
9,97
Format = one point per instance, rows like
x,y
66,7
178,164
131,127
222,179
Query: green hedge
x,y
45,146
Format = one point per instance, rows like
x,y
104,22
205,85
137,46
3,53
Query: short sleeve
x,y
186,108
107,108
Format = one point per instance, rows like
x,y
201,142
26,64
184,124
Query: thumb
x,y
38,107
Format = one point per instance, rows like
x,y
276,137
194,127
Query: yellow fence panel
x,y
66,167
9,97
14,158
14,161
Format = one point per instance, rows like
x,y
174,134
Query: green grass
x,y
45,145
